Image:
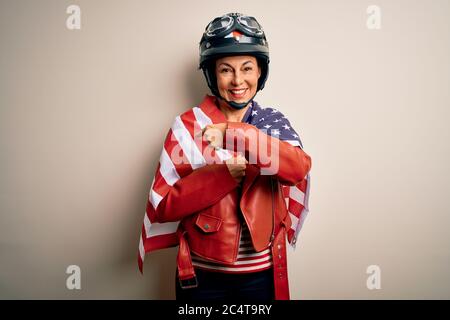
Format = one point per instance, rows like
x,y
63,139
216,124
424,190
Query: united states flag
x,y
190,155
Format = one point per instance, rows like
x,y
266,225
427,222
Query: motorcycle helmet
x,y
230,35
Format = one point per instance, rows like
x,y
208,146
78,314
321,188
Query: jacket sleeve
x,y
290,164
194,192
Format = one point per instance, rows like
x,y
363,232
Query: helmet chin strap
x,y
236,105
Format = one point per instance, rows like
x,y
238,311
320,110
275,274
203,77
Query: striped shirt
x,y
248,260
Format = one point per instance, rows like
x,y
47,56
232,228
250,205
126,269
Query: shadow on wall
x,y
196,85
160,266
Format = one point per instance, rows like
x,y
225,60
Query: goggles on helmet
x,y
222,25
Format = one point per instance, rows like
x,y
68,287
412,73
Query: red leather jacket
x,y
206,203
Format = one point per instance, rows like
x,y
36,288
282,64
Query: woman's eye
x,y
225,70
248,68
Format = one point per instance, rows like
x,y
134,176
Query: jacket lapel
x,y
251,172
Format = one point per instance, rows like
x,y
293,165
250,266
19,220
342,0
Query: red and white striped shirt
x,y
248,260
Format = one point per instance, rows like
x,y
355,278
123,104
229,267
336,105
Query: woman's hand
x,y
214,134
236,165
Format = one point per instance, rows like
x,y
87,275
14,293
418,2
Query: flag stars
x,y
277,120
275,132
267,126
286,127
294,135
254,113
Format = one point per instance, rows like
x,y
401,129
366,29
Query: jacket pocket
x,y
207,223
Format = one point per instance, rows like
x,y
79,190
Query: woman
x,y
222,198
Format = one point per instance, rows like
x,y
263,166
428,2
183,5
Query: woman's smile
x,y
238,93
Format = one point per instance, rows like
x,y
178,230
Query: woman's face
x,y
237,77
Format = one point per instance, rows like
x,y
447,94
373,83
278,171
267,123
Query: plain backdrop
x,y
83,115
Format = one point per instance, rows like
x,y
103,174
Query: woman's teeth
x,y
238,92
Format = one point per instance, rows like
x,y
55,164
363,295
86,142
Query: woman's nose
x,y
237,78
